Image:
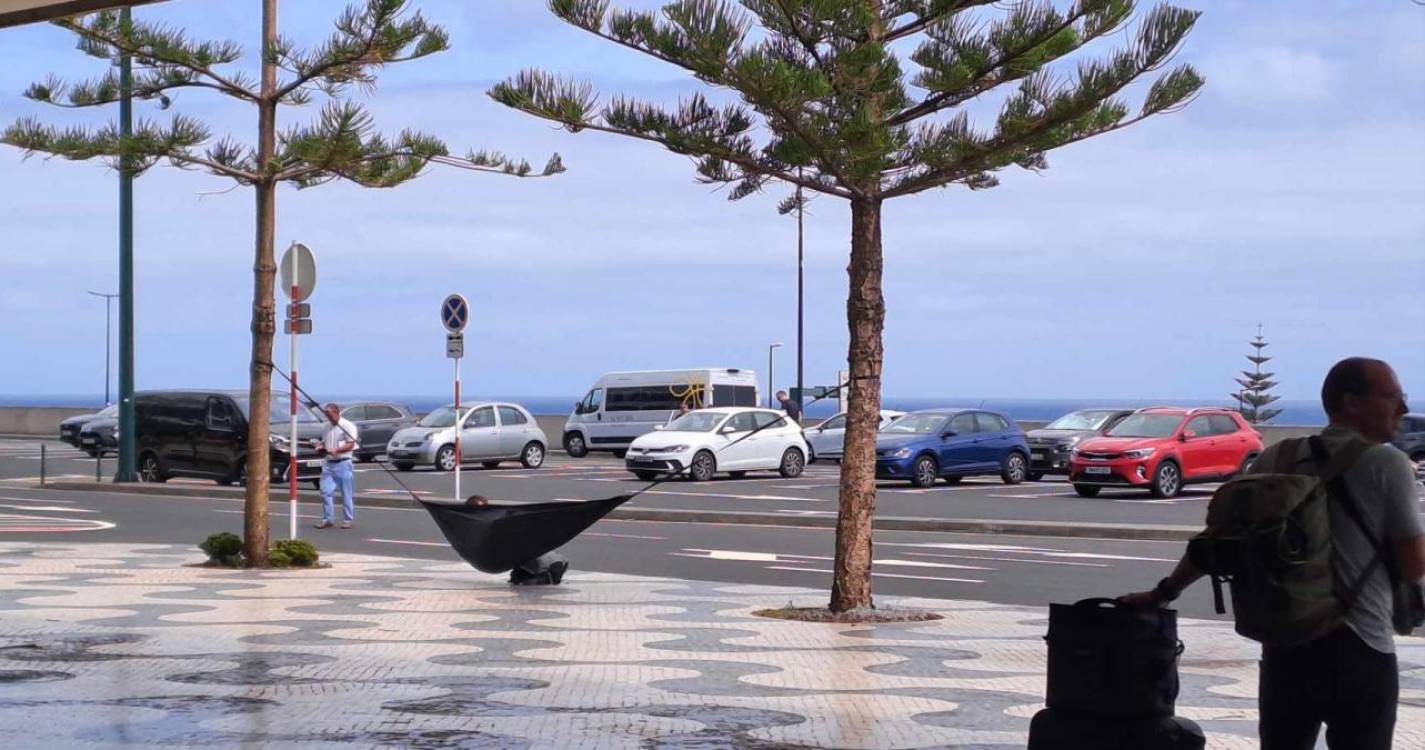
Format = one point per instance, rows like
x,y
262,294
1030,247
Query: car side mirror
x,y
947,434
726,430
658,427
1188,435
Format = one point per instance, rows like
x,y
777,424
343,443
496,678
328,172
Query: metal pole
x,y
108,337
292,406
43,460
459,427
128,460
801,361
770,349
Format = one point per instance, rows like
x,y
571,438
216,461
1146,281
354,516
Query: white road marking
x,y
404,541
1010,560
875,574
16,523
741,497
44,508
624,536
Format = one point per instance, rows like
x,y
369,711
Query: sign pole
x,y
454,314
292,437
459,427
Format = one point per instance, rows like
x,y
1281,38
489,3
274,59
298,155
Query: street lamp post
x,y
770,349
801,387
108,337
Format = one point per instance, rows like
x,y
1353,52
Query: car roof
x,y
945,410
733,409
1185,410
476,404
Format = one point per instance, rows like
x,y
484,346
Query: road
x,y
994,568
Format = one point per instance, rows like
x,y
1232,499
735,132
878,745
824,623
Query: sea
x,y
1300,413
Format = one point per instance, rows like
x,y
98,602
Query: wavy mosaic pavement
x,y
133,645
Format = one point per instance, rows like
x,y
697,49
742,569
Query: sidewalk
x,y
105,645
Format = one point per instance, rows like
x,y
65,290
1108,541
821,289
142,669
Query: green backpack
x,y
1268,537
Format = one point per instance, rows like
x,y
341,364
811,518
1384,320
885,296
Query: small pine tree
x,y
1253,398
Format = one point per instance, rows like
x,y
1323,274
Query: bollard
x,y
42,464
98,466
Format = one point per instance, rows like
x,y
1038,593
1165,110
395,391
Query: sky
x,y
1290,194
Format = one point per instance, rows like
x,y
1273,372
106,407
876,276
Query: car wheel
x,y
1035,476
1087,490
445,458
403,465
647,476
1167,480
91,453
150,470
575,446
703,467
737,474
1246,465
793,463
317,484
533,455
925,471
1014,469
490,464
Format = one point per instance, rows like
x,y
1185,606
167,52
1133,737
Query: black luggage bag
x,y
1110,660
1053,729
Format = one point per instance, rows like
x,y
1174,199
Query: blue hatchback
x,y
951,443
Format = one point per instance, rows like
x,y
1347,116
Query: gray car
x,y
1411,437
827,439
376,423
1049,445
491,432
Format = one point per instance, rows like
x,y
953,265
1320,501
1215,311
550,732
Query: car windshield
x,y
1147,425
279,409
1080,420
112,410
915,424
442,417
696,422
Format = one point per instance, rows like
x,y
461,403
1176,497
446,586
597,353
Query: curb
x,y
1146,532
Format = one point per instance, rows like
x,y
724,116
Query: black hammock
x,y
497,537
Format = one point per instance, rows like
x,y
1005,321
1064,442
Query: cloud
x,y
1273,77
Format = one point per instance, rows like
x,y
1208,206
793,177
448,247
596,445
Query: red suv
x,y
1163,448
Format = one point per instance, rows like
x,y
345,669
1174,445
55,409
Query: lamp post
x,y
801,387
770,350
108,316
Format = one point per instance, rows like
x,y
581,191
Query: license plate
x,y
87,440
312,464
1040,454
397,454
1097,470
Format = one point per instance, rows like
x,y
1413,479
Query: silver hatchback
x,y
491,432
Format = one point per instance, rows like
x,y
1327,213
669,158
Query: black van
x,y
204,434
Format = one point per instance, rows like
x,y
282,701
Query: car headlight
x,y
114,432
671,449
279,442
1074,454
902,453
1140,453
1068,444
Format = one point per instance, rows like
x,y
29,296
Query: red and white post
x,y
292,336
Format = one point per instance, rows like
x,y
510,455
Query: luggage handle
x,y
1097,602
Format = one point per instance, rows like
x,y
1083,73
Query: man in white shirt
x,y
338,444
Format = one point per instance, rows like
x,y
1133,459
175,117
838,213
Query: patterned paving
x,y
129,645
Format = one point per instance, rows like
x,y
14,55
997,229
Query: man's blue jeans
x,y
336,473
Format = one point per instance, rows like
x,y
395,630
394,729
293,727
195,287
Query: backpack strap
x,y
1332,474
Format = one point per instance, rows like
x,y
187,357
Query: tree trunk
x,y
264,320
865,316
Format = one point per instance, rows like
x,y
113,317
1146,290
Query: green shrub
x,y
232,561
299,552
278,559
221,546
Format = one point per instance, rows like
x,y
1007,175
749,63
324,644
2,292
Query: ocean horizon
x,y
1294,412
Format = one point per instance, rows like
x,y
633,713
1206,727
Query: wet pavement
x,y
111,645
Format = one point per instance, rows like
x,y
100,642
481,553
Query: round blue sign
x,y
454,313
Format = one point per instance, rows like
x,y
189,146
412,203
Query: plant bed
x,y
224,550
849,617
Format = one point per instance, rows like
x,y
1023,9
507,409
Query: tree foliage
x,y
1252,398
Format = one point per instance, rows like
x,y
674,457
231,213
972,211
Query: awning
x,y
16,12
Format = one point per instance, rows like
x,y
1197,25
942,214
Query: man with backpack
x,y
1322,545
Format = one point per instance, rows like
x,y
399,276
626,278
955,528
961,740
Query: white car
x,y
707,441
827,438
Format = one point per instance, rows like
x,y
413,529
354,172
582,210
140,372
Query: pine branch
x,y
929,13
365,39
156,46
149,144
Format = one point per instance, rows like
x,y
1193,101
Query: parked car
x,y
376,423
923,446
489,433
100,436
623,405
826,439
1411,437
204,434
69,428
1049,445
1164,448
734,440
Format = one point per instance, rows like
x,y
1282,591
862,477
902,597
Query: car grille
x,y
414,444
1098,455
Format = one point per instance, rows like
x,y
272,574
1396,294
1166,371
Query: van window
x,y
734,395
591,402
511,416
220,415
642,398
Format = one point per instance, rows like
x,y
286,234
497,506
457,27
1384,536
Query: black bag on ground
x,y
1110,660
1053,729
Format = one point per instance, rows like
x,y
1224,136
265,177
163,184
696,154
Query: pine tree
x,y
826,105
1253,399
342,143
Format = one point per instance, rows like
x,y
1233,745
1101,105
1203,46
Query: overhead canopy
x,y
16,12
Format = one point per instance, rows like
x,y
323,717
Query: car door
x,y
382,421
512,430
1199,452
992,441
828,438
772,433
358,414
737,451
1231,443
480,440
957,450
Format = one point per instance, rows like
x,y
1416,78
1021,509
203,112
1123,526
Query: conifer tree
x,y
1253,399
826,101
342,143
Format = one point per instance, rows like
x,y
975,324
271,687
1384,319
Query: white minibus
x,y
623,405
